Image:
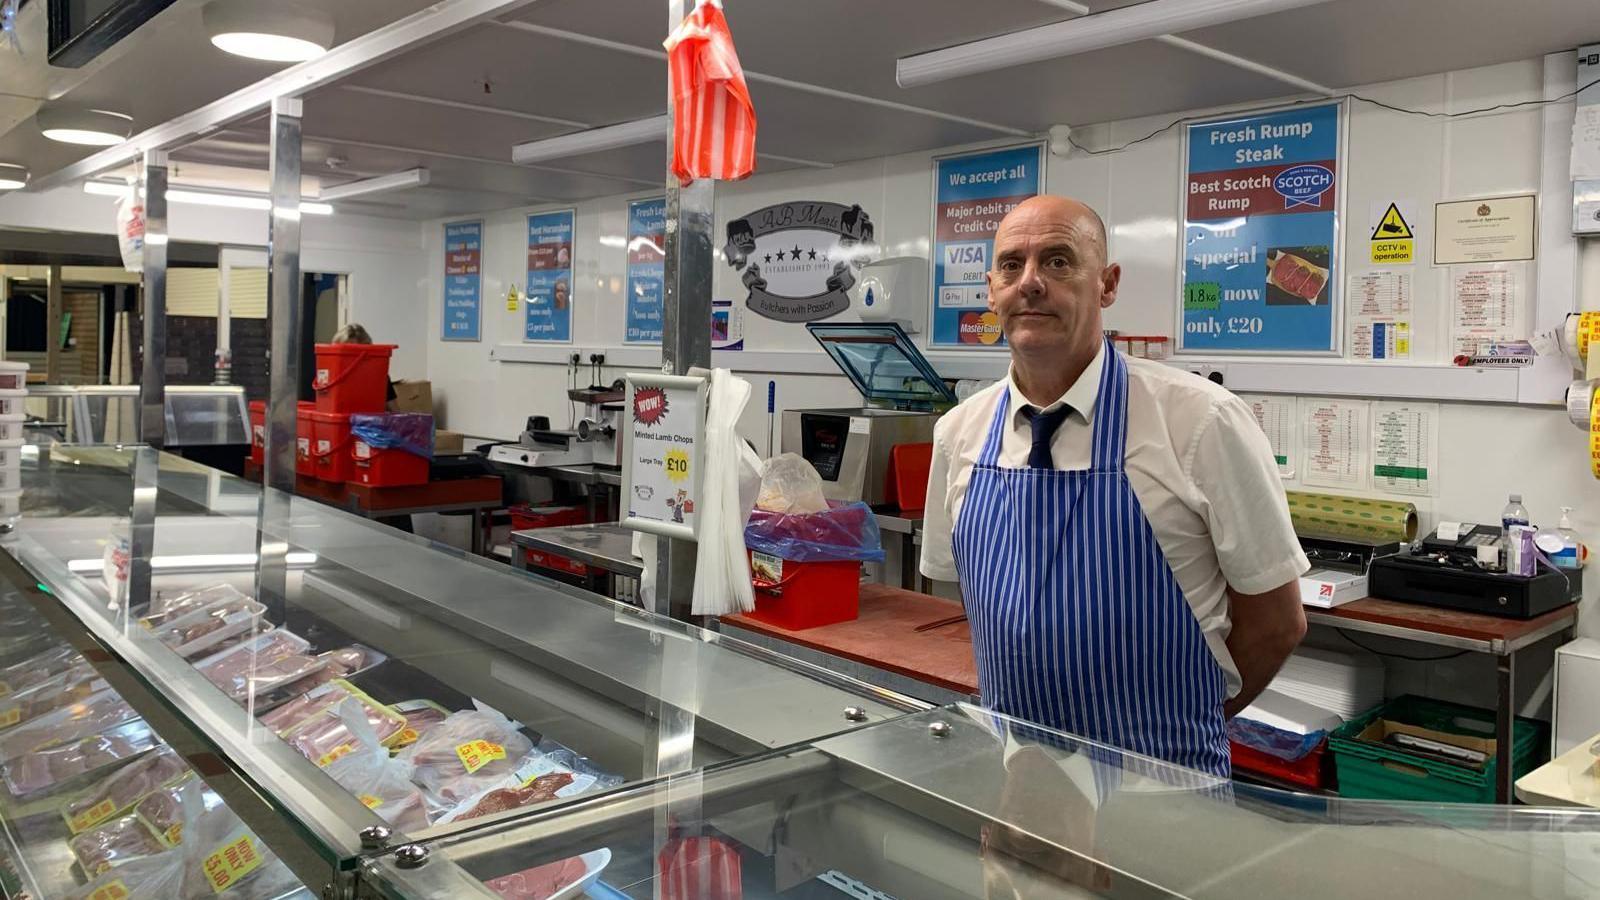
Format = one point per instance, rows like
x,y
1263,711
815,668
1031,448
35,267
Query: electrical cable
x,y
1352,640
1378,103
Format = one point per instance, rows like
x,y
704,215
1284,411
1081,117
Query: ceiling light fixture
x,y
79,125
578,143
209,198
1111,28
399,181
13,177
275,32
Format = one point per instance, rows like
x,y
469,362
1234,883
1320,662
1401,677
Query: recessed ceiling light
x,y
12,177
78,125
276,32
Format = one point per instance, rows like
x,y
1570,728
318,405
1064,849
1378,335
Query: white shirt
x,y
1199,464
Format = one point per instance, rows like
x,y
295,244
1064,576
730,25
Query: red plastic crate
x,y
379,467
1308,771
352,378
526,517
258,431
801,595
544,560
330,446
303,463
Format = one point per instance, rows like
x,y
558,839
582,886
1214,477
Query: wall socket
x,y
1216,374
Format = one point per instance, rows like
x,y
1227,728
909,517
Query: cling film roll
x,y
1581,330
1352,518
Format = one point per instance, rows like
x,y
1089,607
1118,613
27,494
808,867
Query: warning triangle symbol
x,y
1393,226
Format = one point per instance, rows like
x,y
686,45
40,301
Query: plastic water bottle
x,y
1514,513
1570,556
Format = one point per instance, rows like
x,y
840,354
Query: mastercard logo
x,y
979,328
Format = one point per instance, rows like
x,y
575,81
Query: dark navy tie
x,y
1044,428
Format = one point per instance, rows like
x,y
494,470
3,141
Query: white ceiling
x,y
821,73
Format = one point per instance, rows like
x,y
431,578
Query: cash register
x,y
1443,569
851,447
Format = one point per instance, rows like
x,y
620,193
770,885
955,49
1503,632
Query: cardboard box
x,y
1330,587
1382,728
412,395
446,442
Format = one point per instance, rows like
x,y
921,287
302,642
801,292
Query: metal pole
x,y
685,329
224,356
52,326
153,379
283,292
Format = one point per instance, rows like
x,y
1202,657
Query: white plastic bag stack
x,y
727,495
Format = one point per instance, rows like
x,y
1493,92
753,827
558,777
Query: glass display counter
x,y
385,717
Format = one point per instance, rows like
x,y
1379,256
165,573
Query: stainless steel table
x,y
907,524
606,548
599,479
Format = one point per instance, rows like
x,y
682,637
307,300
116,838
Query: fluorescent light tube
x,y
608,137
399,181
209,198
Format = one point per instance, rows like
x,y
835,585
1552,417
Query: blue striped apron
x,y
1077,621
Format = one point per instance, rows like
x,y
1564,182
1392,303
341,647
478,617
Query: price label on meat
x,y
174,834
665,417
335,753
232,862
92,816
1261,232
116,889
476,754
370,802
10,717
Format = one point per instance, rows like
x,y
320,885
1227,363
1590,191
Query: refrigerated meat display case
x,y
392,718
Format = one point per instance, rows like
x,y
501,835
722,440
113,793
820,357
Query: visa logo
x,y
965,255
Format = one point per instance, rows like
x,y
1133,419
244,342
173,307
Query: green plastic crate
x,y
1379,772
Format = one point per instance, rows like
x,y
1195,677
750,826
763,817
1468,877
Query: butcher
x,y
1117,526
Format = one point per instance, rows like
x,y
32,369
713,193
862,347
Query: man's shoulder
x,y
970,415
1173,386
1179,403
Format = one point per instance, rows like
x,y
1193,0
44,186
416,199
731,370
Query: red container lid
x,y
305,405
329,417
258,406
356,349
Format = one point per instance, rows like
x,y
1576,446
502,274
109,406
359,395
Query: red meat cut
x,y
539,882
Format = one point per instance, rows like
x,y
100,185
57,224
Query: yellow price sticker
x,y
111,890
174,834
11,716
677,465
4,689
369,801
407,737
476,754
231,863
335,753
92,816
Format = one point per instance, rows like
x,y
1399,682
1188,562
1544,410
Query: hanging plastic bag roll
x,y
1358,518
727,494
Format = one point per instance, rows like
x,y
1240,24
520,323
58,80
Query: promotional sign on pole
x,y
971,194
547,303
463,281
1261,233
664,431
647,225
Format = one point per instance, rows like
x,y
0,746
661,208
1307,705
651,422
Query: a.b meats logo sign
x,y
799,260
649,405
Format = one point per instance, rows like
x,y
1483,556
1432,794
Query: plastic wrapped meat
x,y
38,668
338,663
161,811
201,629
158,877
72,686
323,735
465,754
260,664
223,858
168,607
47,768
124,787
501,799
421,717
100,712
381,782
113,844
540,882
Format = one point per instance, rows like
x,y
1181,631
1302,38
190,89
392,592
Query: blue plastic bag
x,y
411,432
844,532
1285,745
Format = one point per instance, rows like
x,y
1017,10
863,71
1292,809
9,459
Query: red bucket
x,y
801,595
258,431
330,446
303,464
352,378
379,467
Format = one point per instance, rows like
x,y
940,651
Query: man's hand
x,y
1266,629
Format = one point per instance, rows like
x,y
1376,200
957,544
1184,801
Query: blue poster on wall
x,y
463,281
647,228
971,194
1261,233
548,302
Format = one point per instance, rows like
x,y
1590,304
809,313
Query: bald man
x,y
1117,525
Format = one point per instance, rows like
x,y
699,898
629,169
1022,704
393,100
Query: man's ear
x,y
1110,278
988,279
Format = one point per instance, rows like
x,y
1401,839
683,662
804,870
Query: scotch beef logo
x,y
799,260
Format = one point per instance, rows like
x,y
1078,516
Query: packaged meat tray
x,y
287,719
158,877
540,789
341,663
72,686
560,880
100,712
541,776
421,716
38,668
464,755
47,769
381,782
224,858
167,607
322,736
116,843
201,630
161,810
118,792
260,664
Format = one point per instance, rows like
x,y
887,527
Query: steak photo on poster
x,y
1297,276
